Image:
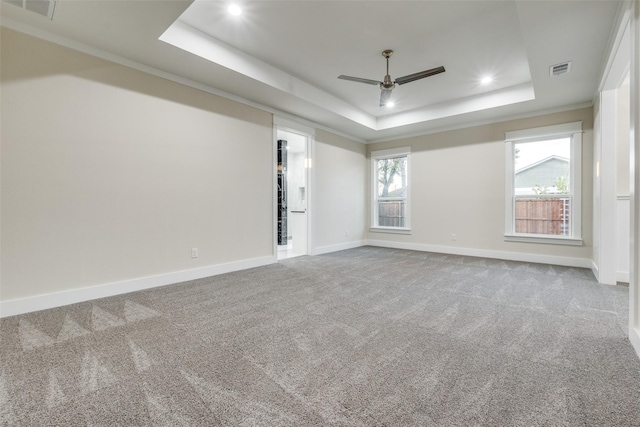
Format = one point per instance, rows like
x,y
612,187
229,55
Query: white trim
x,y
634,266
290,126
623,249
574,132
450,250
576,184
544,132
509,189
392,230
476,123
618,48
622,276
274,189
285,124
595,270
58,299
486,253
311,187
73,296
542,238
634,337
390,152
606,240
338,247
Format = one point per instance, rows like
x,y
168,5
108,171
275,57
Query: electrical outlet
x,y
194,252
454,237
346,233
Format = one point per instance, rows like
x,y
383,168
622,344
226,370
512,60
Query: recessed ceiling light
x,y
234,10
486,80
390,104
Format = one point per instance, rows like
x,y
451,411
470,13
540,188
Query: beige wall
x,y
340,190
457,183
110,174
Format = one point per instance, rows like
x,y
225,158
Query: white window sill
x,y
392,230
540,238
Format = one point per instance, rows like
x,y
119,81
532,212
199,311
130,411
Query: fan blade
x,y
360,80
420,75
384,97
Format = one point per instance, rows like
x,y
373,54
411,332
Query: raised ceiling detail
x,y
284,56
388,84
273,45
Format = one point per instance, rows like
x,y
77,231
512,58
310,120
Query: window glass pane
x,y
392,177
391,213
542,167
543,215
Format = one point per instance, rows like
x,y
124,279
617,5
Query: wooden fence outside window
x,y
543,216
391,213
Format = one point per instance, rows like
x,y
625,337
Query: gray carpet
x,y
364,337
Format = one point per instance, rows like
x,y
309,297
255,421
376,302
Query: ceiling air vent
x,y
559,69
41,7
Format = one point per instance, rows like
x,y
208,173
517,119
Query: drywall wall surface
x,y
340,190
111,174
457,182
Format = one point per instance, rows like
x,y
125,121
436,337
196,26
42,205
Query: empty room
x,y
320,213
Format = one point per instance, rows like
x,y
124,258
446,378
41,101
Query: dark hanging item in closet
x,y
282,192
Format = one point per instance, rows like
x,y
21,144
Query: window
x,y
390,179
543,167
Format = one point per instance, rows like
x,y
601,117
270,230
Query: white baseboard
x,y
622,276
58,299
595,270
339,247
486,253
634,337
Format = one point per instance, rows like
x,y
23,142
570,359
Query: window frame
x,y
391,153
573,131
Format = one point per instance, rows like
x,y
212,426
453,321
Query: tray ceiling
x,y
286,55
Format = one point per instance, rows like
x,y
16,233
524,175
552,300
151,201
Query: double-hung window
x,y
390,179
543,177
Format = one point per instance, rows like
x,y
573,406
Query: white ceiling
x,y
286,55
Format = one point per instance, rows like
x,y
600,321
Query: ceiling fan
x,y
387,85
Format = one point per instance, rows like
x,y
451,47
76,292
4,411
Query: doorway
x,y
292,193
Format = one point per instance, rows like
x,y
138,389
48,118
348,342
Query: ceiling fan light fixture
x,y
234,9
486,80
388,84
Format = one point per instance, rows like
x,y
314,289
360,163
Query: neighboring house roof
x,y
533,165
543,173
398,192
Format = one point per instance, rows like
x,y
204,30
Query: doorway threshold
x,y
286,251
